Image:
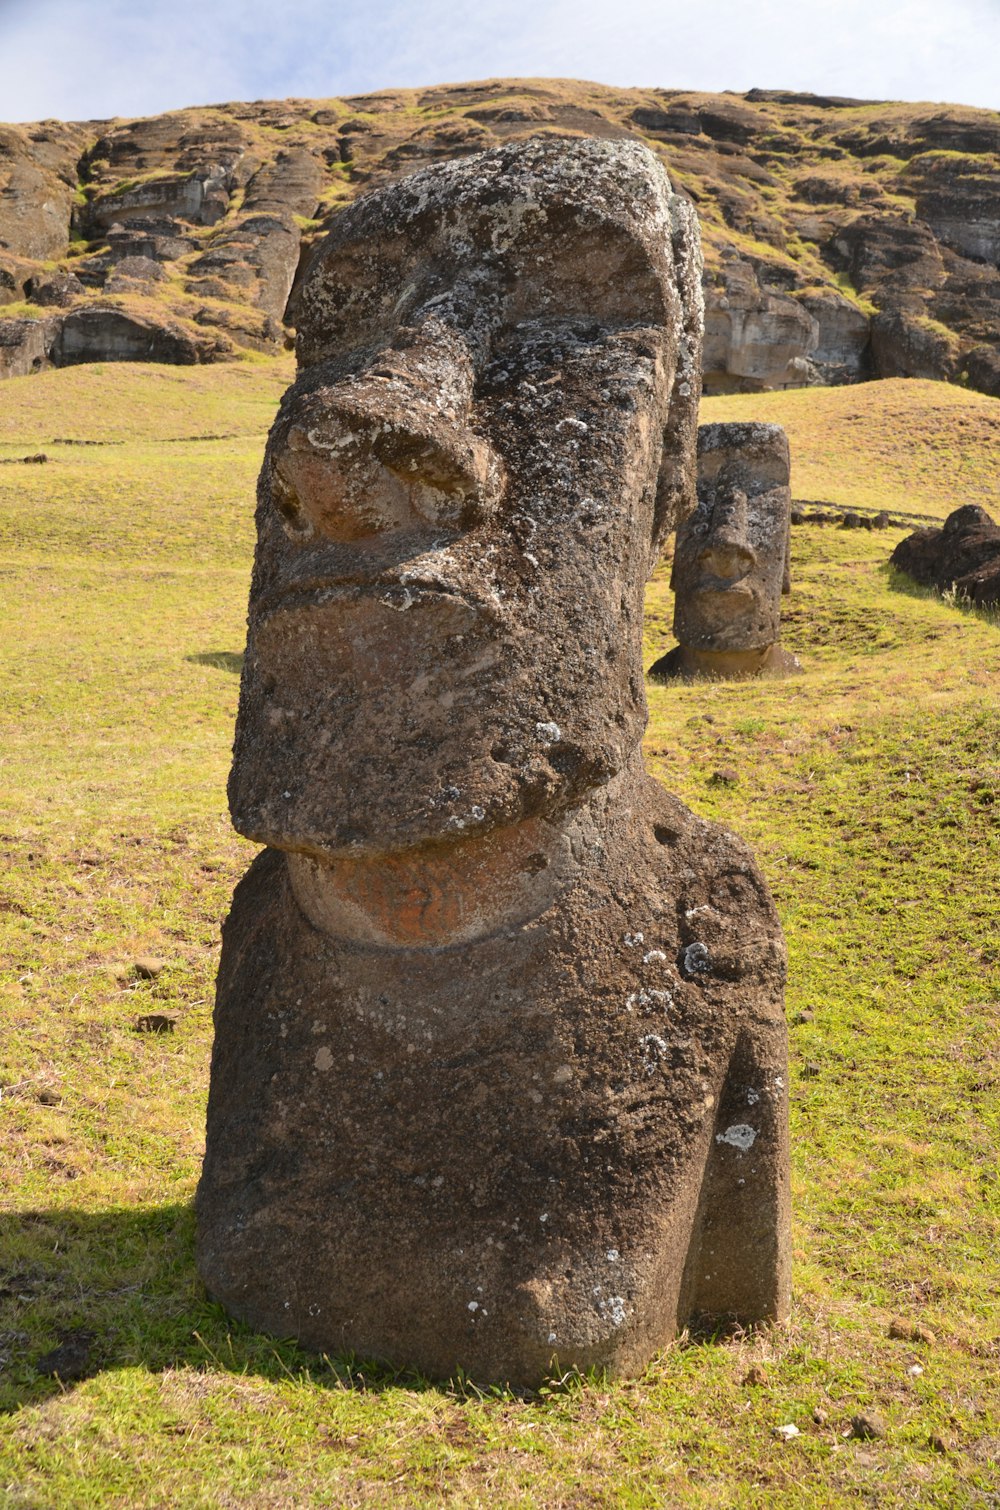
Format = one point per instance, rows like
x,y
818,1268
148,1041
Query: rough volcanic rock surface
x,y
107,334
25,346
817,213
962,557
499,1075
38,181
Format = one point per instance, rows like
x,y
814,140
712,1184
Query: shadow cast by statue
x,y
899,581
219,660
82,1293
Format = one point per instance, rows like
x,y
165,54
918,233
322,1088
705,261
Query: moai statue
x,y
499,1072
731,560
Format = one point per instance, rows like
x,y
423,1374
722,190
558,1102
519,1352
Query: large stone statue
x,y
499,1070
731,563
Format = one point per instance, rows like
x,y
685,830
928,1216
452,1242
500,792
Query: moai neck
x,y
435,896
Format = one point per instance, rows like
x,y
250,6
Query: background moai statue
x,y
498,1082
731,560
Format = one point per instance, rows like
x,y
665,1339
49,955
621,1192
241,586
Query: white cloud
x,y
85,58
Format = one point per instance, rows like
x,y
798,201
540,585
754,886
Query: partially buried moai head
x,y
492,429
731,561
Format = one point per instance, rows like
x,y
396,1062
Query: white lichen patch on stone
x,y
549,732
741,1135
611,1307
650,998
654,1050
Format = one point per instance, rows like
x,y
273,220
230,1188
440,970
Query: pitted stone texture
x,y
732,558
494,354
469,1108
962,557
25,346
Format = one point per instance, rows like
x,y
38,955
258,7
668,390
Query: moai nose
x,y
348,470
729,559
389,448
727,552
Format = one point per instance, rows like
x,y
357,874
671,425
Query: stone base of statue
x,y
682,664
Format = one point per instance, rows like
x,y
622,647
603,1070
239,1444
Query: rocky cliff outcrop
x,y
844,239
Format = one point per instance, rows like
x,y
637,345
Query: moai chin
x,y
731,560
499,1076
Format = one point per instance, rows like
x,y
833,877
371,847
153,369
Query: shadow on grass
x,y
219,660
85,1292
898,581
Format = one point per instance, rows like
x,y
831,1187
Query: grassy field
x,y
870,789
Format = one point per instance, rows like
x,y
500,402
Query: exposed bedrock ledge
x,y
758,339
114,335
907,345
25,346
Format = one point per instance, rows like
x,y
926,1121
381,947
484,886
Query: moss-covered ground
x,y
869,787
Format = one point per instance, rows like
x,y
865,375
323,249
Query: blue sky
x,y
83,59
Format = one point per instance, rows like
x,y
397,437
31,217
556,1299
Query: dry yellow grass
x,y
870,789
903,444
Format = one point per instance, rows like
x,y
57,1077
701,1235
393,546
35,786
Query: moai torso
x,y
731,560
499,1075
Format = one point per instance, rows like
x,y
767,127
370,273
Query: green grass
x,y
870,790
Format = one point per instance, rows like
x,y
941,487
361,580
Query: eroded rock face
x,y
109,335
829,211
731,562
499,1072
37,184
962,557
25,347
754,339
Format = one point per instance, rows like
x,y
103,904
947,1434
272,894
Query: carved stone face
x,y
459,503
731,559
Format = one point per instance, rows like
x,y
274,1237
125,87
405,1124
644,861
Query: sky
x,y
91,59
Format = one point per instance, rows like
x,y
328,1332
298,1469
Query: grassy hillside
x,y
902,444
870,789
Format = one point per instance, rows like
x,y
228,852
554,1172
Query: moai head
x,y
463,493
731,560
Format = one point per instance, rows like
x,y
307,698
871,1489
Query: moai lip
x,y
731,560
472,1106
